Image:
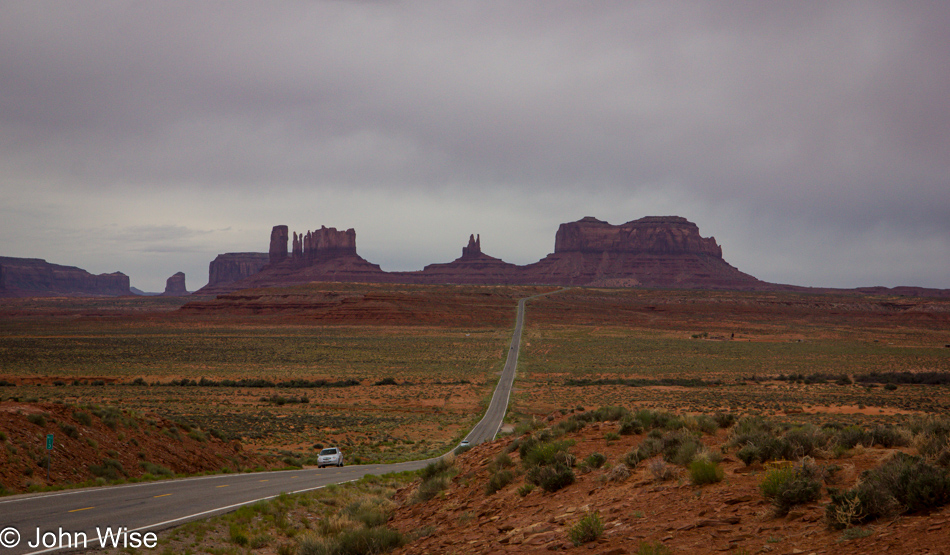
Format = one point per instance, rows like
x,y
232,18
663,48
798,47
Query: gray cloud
x,y
799,135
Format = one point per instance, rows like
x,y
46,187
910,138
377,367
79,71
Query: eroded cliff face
x,y
233,266
175,285
22,277
660,235
657,251
323,244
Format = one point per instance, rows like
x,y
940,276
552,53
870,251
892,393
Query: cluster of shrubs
x,y
280,400
815,378
900,485
759,440
257,383
793,484
435,478
357,528
643,382
501,473
911,378
886,378
547,461
903,484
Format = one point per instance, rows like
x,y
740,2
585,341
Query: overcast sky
x,y
812,139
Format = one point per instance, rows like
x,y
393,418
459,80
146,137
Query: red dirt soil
x,y
731,516
134,440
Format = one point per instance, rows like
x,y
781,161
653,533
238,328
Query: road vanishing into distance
x,y
48,522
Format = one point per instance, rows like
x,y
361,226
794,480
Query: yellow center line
x,y
83,509
263,480
163,495
224,486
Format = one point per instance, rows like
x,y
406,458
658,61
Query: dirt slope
x,y
94,444
731,516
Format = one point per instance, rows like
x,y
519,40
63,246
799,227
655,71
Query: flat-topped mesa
x,y
27,277
323,244
649,235
474,247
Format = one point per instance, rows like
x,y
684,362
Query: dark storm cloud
x,y
763,122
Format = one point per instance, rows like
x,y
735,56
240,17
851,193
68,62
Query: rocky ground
x,y
642,512
98,445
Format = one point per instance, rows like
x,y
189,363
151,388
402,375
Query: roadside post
x,y
49,447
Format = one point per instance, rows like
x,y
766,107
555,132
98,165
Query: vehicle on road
x,y
331,456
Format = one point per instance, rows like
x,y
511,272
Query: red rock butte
x,y
660,252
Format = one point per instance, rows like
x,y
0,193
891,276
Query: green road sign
x,y
49,441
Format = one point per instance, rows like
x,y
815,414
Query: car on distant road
x,y
331,456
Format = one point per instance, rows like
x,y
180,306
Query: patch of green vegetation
x,y
587,529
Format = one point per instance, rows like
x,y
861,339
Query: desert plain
x,y
264,378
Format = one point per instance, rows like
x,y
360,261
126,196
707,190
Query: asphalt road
x,y
44,523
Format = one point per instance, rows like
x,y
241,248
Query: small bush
x,y
38,419
155,469
368,511
851,436
889,436
368,541
631,426
653,549
587,529
110,469
702,472
498,481
792,485
69,430
547,453
619,473
503,460
724,420
706,424
661,471
437,467
595,460
238,535
524,490
83,418
551,478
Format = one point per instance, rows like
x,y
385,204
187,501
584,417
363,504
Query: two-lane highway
x,y
43,523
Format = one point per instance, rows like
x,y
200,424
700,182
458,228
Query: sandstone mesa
x,y
654,251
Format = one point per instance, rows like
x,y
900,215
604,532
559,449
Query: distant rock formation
x,y
27,277
651,235
474,267
322,244
233,266
325,254
474,247
656,251
278,244
665,251
175,286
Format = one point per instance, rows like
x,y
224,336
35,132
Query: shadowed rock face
x,y
651,235
278,244
234,266
175,286
23,277
323,244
